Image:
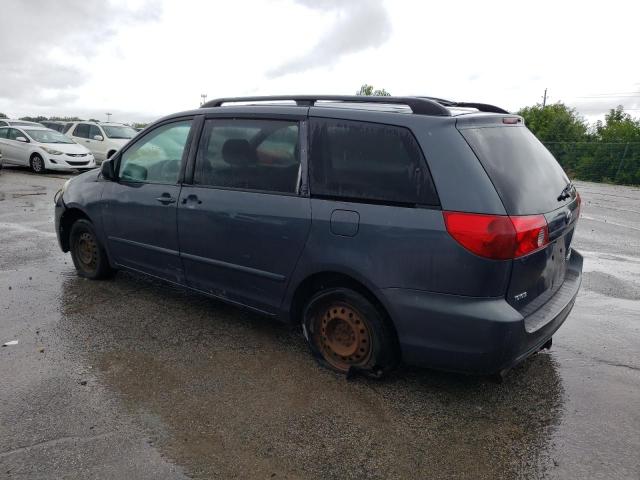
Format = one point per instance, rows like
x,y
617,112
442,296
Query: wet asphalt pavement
x,y
130,378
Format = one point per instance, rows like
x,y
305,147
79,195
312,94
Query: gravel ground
x,y
130,378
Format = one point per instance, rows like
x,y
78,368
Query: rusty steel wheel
x,y
348,333
343,336
89,257
87,251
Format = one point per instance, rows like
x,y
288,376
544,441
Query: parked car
x,y
8,122
43,149
392,229
103,139
61,127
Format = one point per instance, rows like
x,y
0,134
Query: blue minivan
x,y
392,229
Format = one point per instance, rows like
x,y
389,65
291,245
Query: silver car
x,y
43,149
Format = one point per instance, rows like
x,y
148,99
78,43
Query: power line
x,y
617,93
610,96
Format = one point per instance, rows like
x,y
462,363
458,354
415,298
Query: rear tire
x,y
36,163
348,334
88,255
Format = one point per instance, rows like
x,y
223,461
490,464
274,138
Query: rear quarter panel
x,y
404,247
398,247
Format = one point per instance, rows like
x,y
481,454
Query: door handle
x,y
191,198
166,199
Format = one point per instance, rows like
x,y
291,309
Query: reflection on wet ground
x,y
237,395
134,379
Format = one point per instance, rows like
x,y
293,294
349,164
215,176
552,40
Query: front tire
x,y
36,163
88,255
347,333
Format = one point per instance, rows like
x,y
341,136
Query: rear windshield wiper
x,y
566,192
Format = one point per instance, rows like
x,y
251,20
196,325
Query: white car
x,y
43,149
103,139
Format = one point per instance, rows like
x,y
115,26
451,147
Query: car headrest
x,y
238,152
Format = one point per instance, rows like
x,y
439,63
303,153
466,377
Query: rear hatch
x,y
530,182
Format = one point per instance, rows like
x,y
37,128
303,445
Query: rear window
x,y
527,177
368,162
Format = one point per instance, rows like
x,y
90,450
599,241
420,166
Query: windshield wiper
x,y
566,192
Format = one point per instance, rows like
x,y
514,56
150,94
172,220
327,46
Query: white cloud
x,y
359,25
143,59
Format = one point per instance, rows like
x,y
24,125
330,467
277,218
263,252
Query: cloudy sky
x,y
141,59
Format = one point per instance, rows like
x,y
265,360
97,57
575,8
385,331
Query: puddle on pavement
x,y
233,394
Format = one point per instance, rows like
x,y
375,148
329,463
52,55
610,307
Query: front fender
x,y
82,197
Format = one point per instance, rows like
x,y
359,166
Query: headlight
x,y
51,151
60,192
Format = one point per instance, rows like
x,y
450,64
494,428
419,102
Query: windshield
x,y
119,132
48,136
58,127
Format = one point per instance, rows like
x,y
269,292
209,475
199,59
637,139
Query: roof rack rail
x,y
482,107
418,105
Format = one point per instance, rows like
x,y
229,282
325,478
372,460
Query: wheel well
x,y
67,220
323,280
34,154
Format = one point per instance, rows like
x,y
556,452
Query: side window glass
x,y
81,130
14,133
156,158
368,162
93,131
247,154
3,132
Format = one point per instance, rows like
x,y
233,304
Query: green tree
x,y
2,115
618,126
65,119
559,128
369,90
617,157
39,118
555,123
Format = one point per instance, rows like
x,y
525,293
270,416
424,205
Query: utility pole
x,y
203,98
108,117
544,99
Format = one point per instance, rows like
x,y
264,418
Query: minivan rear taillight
x,y
500,237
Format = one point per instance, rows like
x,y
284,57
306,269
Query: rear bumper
x,y
476,335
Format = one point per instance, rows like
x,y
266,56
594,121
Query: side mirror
x,y
98,137
107,170
22,139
